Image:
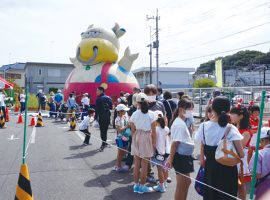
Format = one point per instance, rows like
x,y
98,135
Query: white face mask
x,y
188,114
152,98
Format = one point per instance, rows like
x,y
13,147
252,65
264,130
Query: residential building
x,y
15,71
169,77
38,75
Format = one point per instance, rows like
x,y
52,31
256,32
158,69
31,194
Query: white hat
x,y
59,91
126,95
141,97
85,94
265,132
121,107
158,113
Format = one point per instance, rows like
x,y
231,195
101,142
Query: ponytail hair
x,y
223,119
161,122
221,106
144,107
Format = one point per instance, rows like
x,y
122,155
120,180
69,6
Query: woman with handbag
x,y
181,150
122,139
162,151
210,133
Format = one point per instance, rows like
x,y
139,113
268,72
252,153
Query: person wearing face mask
x,y
154,105
182,147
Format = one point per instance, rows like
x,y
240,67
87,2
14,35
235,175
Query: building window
x,y
39,72
54,73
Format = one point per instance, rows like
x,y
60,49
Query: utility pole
x,y
150,54
156,44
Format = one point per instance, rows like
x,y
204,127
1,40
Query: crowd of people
x,y
152,129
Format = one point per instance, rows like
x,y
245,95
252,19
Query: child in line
x,y
122,139
143,128
254,113
263,165
162,151
84,125
240,118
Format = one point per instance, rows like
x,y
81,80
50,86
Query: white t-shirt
x,y
2,99
121,121
180,133
143,121
214,133
85,101
161,142
22,97
85,123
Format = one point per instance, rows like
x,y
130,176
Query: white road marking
x,y
12,138
33,136
80,135
63,127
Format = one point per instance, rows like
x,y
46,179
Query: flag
x,y
219,73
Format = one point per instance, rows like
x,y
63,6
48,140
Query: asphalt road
x,y
61,168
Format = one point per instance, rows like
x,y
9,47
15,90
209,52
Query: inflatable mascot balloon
x,y
95,64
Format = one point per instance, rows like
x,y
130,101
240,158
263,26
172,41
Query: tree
x,y
204,83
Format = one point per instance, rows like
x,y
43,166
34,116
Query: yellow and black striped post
x,y
39,121
23,189
72,126
2,120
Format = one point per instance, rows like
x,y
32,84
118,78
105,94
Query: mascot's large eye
x,y
95,33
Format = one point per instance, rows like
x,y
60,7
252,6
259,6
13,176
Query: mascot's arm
x,y
128,59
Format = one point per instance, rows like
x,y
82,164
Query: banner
x,y
219,74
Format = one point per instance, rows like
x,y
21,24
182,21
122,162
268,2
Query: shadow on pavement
x,y
127,193
106,180
105,165
82,155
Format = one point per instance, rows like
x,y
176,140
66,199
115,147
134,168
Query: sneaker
x,y
136,188
151,179
100,149
145,189
169,179
116,169
159,188
125,168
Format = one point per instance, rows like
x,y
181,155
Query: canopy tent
x,y
5,84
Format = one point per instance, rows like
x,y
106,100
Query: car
x,y
203,98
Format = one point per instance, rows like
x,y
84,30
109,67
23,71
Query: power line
x,y
212,54
226,36
224,19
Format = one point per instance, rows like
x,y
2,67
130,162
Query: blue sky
x,y
49,31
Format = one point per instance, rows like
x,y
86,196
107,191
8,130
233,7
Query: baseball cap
x,y
120,107
265,132
158,113
141,97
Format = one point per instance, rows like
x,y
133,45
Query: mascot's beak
x,y
90,60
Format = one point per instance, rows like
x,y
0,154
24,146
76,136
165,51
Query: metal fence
x,y
201,96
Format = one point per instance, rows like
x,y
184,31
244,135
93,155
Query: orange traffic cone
x,y
16,109
7,115
23,188
33,122
20,119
